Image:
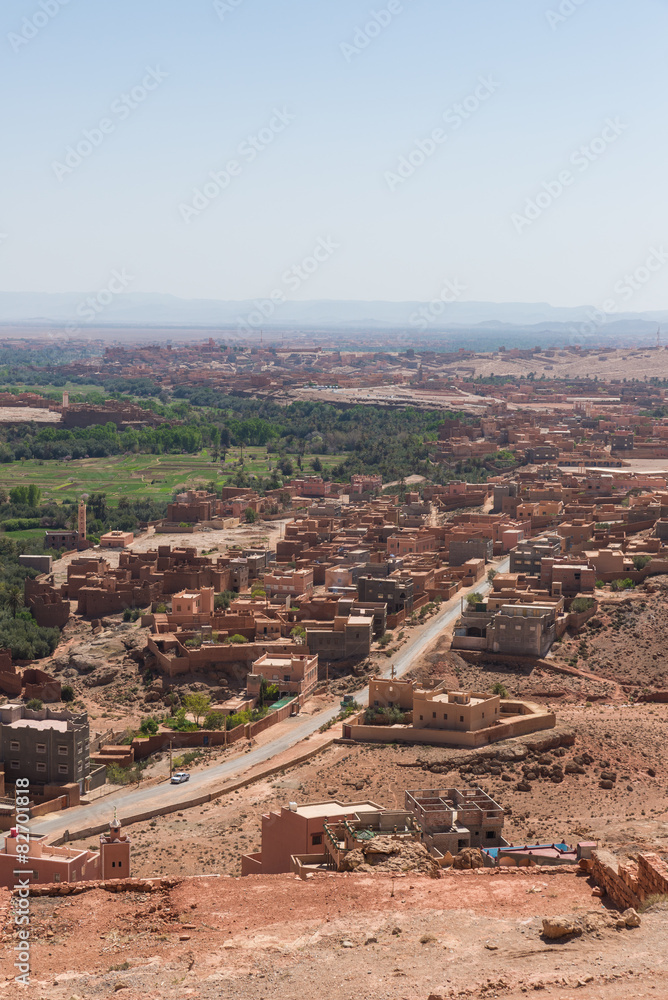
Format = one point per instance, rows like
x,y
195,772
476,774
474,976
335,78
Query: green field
x,y
137,476
21,536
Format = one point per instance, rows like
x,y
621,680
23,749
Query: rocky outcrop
x,y
469,857
385,855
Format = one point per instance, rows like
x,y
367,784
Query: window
x,y
15,765
40,748
41,766
56,876
483,715
62,750
421,718
113,864
490,835
433,715
62,769
316,839
461,718
14,745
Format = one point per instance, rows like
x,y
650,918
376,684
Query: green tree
x,y
214,720
35,705
197,703
221,602
250,515
11,597
67,693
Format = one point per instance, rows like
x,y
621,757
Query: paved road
x,y
296,730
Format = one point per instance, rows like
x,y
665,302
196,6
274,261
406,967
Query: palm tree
x,y
12,597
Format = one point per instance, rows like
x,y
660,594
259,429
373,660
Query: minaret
x,y
82,520
66,400
114,852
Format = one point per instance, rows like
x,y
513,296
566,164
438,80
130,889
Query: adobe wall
x,y
181,741
435,737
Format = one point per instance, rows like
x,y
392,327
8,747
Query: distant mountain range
x,y
143,309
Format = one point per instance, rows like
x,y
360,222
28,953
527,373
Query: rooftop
x,y
332,807
56,724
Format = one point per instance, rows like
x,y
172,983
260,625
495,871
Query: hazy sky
x,y
312,104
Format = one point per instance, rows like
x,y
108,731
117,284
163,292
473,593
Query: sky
x,y
336,149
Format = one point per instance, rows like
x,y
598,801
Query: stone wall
x,y
628,883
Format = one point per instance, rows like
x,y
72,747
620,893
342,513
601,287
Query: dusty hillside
x,y
368,937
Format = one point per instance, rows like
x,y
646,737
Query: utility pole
x,y
171,740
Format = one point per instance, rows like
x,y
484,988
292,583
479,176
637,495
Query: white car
x,y
180,776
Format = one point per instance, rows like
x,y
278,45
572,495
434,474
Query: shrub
x,y
500,689
384,716
214,720
626,584
21,523
180,724
67,692
148,726
185,759
581,604
639,562
221,602
117,775
160,609
35,705
236,640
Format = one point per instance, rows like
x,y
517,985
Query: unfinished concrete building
x,y
451,820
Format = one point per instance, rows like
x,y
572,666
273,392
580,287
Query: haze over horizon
x,y
359,152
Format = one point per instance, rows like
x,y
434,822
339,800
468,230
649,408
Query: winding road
x,y
130,803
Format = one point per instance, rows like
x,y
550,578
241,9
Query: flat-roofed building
x,y
298,830
293,674
45,746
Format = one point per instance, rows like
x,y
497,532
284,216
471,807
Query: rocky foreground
x,y
388,937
